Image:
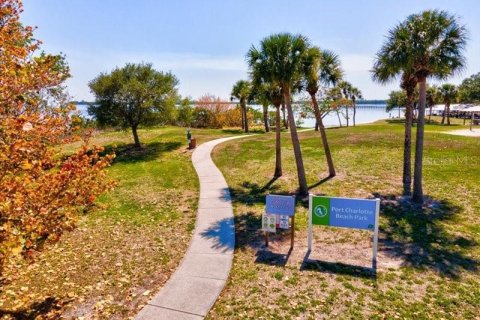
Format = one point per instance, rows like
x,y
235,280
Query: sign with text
x,y
344,212
284,222
281,205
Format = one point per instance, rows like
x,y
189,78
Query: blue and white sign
x,y
281,205
344,213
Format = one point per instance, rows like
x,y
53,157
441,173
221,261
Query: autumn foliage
x,y
42,190
211,112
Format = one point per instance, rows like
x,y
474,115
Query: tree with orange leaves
x,y
41,191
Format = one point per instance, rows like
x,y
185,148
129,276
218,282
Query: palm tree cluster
x,y
426,45
284,65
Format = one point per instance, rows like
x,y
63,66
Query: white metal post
x,y
375,234
310,196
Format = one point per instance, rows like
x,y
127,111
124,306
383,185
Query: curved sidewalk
x,y
196,284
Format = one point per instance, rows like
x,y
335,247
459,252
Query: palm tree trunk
x,y
302,181
316,125
346,112
243,119
245,116
278,141
135,136
448,113
417,173
430,115
265,118
285,122
354,113
339,120
323,133
444,114
407,147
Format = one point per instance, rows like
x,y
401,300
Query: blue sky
x,y
204,42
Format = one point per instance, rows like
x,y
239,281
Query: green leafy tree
x,y
279,61
185,113
242,90
321,68
469,89
448,93
426,45
133,95
396,98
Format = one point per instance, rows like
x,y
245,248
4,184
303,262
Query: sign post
x,y
283,206
344,213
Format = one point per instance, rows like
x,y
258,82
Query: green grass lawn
x,y
126,248
428,265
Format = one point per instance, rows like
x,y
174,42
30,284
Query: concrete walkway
x,y
198,281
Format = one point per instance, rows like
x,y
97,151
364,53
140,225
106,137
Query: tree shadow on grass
x,y
319,183
415,235
35,310
270,258
418,236
254,193
401,120
240,131
337,268
128,153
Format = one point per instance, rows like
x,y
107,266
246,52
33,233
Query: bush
x,y
211,112
41,192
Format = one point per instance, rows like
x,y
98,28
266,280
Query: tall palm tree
x,y
430,45
354,95
432,97
345,88
448,93
285,122
260,95
266,94
278,60
384,73
321,67
350,93
242,91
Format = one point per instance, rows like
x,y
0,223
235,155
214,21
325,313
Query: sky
x,y
204,42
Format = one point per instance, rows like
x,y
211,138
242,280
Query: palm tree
x,y
279,61
428,44
285,122
345,88
242,91
261,95
266,94
355,94
350,93
432,97
448,93
321,67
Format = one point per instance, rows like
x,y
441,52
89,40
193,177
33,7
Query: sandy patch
x,y
465,132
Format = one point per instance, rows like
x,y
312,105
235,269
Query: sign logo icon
x,y
320,211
